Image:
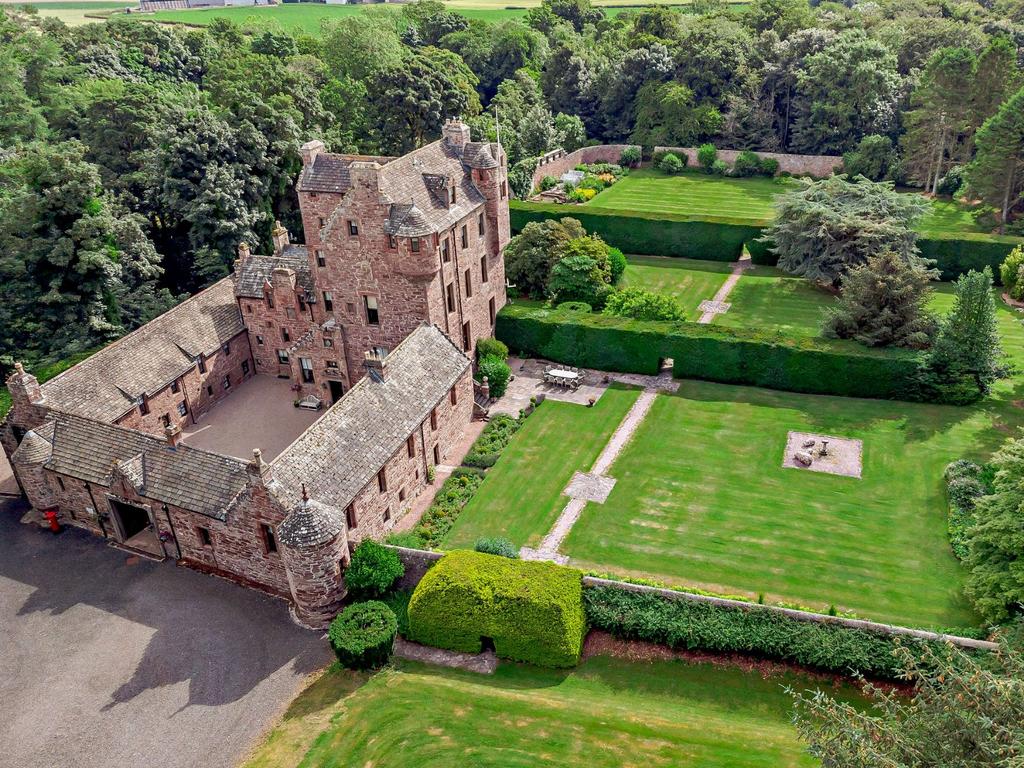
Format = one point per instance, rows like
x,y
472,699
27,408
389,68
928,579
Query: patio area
x,y
259,414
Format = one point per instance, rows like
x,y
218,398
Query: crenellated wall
x,y
558,161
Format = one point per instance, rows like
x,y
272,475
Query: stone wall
x,y
417,562
818,166
559,161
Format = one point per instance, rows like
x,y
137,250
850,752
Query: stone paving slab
x,y
718,307
589,487
844,455
483,663
542,555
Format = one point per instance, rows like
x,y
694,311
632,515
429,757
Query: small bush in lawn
x,y
491,347
497,372
373,571
497,546
574,306
671,164
363,635
746,164
616,264
706,157
630,157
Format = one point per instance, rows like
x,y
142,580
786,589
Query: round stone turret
x,y
314,541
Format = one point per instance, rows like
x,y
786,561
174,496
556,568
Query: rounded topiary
x,y
491,347
497,372
671,163
616,264
373,571
497,546
363,635
574,306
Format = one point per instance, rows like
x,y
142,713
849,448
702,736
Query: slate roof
x,y
256,270
108,384
330,173
190,478
343,451
36,446
311,523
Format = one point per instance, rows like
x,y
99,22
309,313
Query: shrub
x,y
578,278
616,265
373,571
1010,273
966,482
497,546
706,157
747,163
671,164
630,157
642,304
533,611
874,158
492,441
769,166
691,625
363,635
720,168
581,195
491,347
574,306
465,471
497,372
453,495
408,539
547,183
951,183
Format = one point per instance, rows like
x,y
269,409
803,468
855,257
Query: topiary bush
x,y
671,164
363,635
533,611
497,546
373,571
491,347
707,155
497,372
616,264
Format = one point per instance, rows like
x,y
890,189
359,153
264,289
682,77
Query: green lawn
x,y
687,280
768,298
606,713
521,497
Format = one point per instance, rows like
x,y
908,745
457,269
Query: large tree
x,y
827,227
667,115
530,255
996,175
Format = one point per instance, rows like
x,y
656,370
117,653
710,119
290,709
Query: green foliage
x,y
995,581
884,303
574,306
965,711
955,255
687,625
669,114
490,347
641,304
1010,273
547,182
453,495
579,278
43,375
497,372
616,265
533,611
747,163
373,571
874,158
496,546
827,227
706,157
966,482
363,635
531,254
769,166
398,602
714,353
630,157
492,441
994,174
671,164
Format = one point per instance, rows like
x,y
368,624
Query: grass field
x,y
74,13
769,299
521,498
606,713
687,280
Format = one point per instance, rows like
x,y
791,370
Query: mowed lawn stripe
x,y
769,299
522,495
702,499
606,713
688,281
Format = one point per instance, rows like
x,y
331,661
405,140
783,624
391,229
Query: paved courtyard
x,y
108,661
260,414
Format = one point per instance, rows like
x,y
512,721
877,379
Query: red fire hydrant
x,y
51,518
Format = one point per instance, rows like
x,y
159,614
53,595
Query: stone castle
x,y
374,319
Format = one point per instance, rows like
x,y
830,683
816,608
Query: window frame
x,y
371,319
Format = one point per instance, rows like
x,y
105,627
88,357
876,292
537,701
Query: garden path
x,y
718,305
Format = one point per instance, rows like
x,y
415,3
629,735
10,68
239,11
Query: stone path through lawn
x,y
718,305
591,486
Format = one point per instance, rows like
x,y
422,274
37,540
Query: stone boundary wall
x,y
418,561
819,618
817,166
558,161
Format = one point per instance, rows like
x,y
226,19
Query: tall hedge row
x,y
704,626
719,239
533,611
648,233
714,353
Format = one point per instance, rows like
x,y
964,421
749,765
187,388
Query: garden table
x,y
563,377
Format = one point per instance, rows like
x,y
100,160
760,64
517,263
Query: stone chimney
x,y
365,173
283,279
310,150
24,387
456,133
259,469
172,434
376,362
243,251
280,237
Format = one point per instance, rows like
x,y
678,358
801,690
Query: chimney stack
x,y
172,433
376,362
282,279
456,133
310,150
258,468
280,237
24,387
243,251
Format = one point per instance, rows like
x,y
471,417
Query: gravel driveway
x,y
108,663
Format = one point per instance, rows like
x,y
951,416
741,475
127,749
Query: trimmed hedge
x,y
709,627
533,611
363,635
656,234
957,254
714,353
